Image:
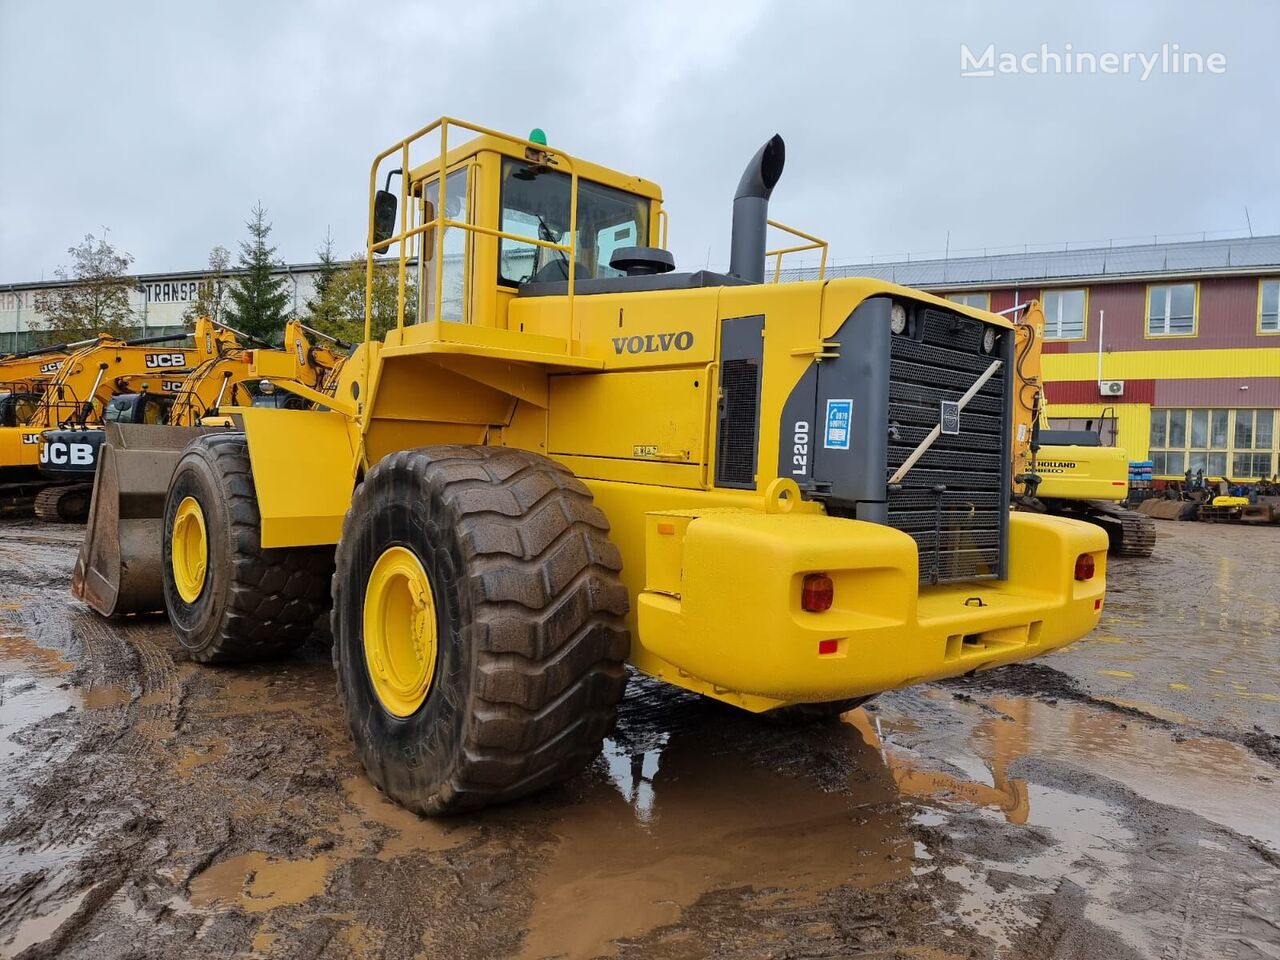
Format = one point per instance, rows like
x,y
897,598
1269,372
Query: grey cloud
x,y
166,122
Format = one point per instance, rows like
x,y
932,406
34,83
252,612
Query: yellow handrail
x,y
815,243
440,222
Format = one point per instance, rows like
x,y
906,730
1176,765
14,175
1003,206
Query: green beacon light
x,y
536,135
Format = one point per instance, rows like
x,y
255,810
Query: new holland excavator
x,y
118,568
91,373
1068,473
779,496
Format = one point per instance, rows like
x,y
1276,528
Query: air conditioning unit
x,y
1111,388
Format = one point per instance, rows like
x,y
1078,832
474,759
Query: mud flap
x,y
118,570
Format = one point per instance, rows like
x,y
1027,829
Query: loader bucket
x,y
119,568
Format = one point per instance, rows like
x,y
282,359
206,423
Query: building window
x,y
1269,306
1238,444
980,300
1171,310
1064,312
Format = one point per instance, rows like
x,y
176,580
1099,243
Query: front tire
x,y
229,599
499,673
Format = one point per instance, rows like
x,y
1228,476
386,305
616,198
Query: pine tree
x,y
257,301
320,305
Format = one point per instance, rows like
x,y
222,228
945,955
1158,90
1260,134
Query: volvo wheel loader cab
x,y
118,570
571,455
1069,473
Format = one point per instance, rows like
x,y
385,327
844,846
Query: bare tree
x,y
94,294
212,290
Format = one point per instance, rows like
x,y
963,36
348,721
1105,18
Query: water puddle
x,y
397,831
1216,779
40,928
33,688
103,697
256,882
688,816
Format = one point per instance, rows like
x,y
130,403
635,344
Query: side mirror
x,y
384,218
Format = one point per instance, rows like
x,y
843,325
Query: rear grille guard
x,y
952,500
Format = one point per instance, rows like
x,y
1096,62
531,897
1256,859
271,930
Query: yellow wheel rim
x,y
400,638
190,550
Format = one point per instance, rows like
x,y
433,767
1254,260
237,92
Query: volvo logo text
x,y
653,343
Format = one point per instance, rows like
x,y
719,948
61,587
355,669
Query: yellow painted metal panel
x,y
652,415
1083,473
1164,364
304,470
737,631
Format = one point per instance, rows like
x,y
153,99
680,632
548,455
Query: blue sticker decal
x,y
839,415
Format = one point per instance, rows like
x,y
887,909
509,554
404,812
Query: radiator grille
x,y
954,501
736,454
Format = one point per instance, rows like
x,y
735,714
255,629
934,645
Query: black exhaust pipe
x,y
751,211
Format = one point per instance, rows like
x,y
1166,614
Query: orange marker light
x,y
1084,566
666,529
818,593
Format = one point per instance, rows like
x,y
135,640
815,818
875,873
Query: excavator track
x,y
63,503
1137,536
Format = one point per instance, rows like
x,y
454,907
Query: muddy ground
x,y
1118,799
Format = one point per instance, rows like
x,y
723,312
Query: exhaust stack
x,y
751,211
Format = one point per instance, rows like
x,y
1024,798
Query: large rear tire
x,y
478,625
229,599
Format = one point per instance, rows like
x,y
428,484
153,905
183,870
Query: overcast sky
x,y
166,122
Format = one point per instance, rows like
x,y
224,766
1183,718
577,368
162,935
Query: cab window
x,y
25,408
536,203
120,409
455,244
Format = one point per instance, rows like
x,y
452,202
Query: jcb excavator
x,y
71,453
23,377
773,495
118,568
1068,473
69,430
88,377
29,371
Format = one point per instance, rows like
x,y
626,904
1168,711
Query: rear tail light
x,y
1084,566
818,593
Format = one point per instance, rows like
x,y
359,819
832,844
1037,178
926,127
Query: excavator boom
x,y
118,570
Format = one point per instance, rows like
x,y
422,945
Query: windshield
x,y
535,203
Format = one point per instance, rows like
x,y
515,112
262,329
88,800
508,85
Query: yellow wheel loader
x,y
774,495
118,568
1068,473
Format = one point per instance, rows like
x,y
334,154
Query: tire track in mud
x,y
78,802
